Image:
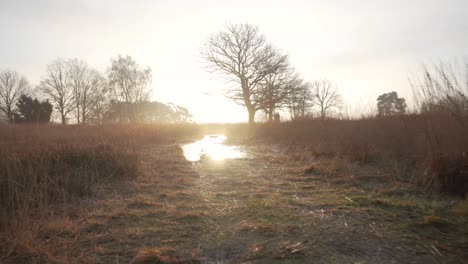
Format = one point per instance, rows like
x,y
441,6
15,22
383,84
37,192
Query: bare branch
x,y
12,86
326,96
56,86
130,82
241,54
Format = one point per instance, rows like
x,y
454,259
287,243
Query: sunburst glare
x,y
212,147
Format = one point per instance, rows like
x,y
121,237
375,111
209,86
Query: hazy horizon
x,y
366,50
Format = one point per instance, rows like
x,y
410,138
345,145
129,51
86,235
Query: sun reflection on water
x,y
211,146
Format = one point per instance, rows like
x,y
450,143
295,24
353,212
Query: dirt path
x,y
263,210
260,209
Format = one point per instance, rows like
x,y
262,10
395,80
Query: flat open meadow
x,y
247,131
376,190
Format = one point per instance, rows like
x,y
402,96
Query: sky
x,y
365,47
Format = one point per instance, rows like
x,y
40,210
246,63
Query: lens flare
x,y
212,147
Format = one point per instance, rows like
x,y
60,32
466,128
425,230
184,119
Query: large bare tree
x,y
130,82
12,86
87,83
241,54
56,87
326,97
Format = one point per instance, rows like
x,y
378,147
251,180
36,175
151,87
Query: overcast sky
x,y
366,47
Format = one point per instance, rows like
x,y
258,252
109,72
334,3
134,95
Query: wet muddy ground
x,y
263,207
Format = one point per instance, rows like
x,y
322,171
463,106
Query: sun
x,y
212,147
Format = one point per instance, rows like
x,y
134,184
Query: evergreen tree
x,y
30,110
390,104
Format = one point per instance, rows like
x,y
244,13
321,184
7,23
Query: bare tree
x,y
241,54
273,89
76,74
129,81
99,102
87,84
12,86
326,97
55,85
299,99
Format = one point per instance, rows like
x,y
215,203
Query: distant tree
x,y
32,111
147,112
130,82
99,104
87,84
155,112
299,99
56,86
277,118
273,89
12,86
181,114
390,104
115,112
241,54
326,96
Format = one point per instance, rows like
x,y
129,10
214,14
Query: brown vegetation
x,y
66,190
47,170
429,148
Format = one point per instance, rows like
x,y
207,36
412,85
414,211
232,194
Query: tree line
x,y
262,77
263,80
79,93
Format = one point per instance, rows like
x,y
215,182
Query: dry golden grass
x,y
461,208
57,174
430,149
46,170
330,191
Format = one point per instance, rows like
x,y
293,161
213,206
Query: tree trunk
x,y
78,115
83,116
270,115
9,114
62,114
251,115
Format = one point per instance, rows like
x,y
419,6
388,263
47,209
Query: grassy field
x,y
317,191
429,149
47,171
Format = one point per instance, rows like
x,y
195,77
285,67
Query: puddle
x,y
213,147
